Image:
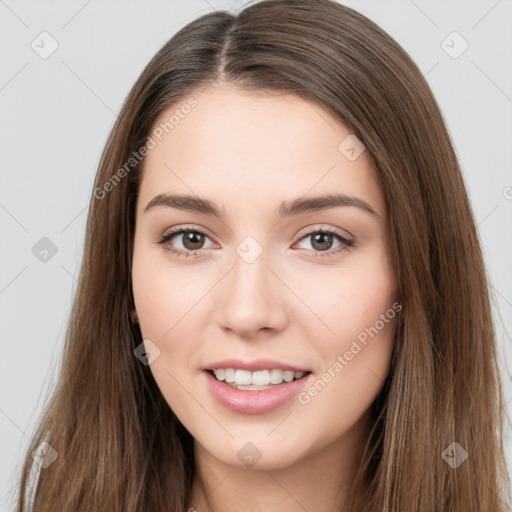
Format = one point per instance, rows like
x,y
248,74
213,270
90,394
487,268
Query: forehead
x,y
256,146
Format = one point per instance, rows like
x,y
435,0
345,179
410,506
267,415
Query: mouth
x,y
255,392
256,380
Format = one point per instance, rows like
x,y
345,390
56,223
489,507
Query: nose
x,y
252,299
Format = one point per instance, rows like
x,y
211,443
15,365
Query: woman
x,y
282,301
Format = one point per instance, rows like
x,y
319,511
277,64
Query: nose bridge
x,y
250,297
250,275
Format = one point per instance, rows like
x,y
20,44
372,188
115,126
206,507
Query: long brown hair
x,y
120,446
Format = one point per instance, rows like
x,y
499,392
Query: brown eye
x,y
193,240
322,241
191,244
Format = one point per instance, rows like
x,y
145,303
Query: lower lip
x,y
254,402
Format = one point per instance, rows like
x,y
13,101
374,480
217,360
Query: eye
x,y
322,241
192,240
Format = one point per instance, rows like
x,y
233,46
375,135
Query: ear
x,y
135,316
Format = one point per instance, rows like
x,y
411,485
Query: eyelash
x,y
346,243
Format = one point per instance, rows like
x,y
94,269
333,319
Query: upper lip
x,y
255,365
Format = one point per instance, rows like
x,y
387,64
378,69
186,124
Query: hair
x,y
119,444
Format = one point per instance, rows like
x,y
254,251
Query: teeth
x,y
248,379
243,377
288,376
276,376
261,378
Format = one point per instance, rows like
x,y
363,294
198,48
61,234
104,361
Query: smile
x,y
280,388
254,381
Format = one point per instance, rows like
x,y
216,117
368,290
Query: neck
x,y
319,481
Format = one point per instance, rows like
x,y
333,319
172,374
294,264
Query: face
x,y
241,279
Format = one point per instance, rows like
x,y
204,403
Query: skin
x,y
247,152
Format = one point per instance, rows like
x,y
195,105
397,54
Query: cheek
x,y
148,298
164,299
355,302
165,296
354,369
360,307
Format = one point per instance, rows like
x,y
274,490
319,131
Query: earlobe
x,y
135,316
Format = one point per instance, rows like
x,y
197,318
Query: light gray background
x,y
56,114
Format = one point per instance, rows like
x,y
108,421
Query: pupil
x,y
195,239
322,245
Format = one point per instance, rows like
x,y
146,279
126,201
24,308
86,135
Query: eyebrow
x,y
286,208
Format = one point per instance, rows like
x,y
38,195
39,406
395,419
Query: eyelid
x,y
328,229
179,229
309,230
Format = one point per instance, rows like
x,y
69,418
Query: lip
x,y
254,366
254,402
